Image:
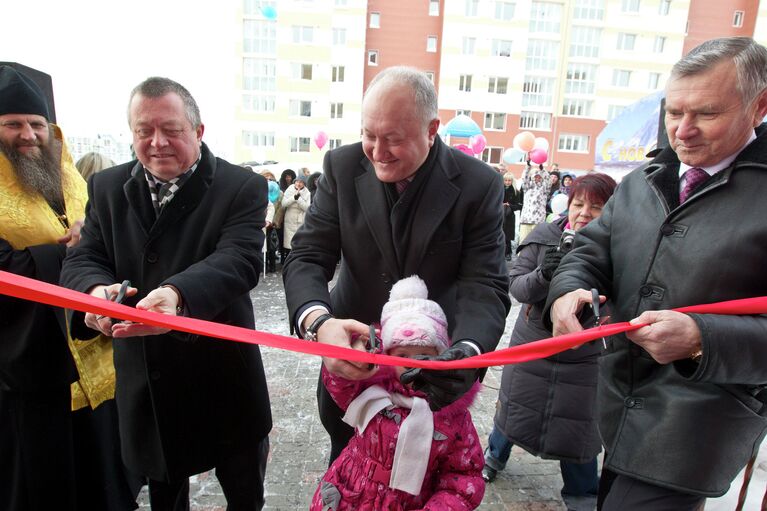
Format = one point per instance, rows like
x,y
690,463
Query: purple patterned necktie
x,y
693,178
401,186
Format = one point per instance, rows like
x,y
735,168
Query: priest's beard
x,y
37,173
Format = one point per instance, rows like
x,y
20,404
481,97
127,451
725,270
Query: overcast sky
x,y
97,51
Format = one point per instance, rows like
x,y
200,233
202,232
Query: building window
x,y
546,17
653,81
664,7
301,71
584,42
542,55
258,102
626,41
303,34
372,57
299,144
258,138
339,36
337,73
467,113
259,74
737,19
589,10
535,120
259,37
501,48
334,143
577,107
497,85
659,45
614,111
504,11
495,121
254,7
621,77
574,143
492,155
431,44
375,20
471,8
433,7
430,75
581,78
336,110
631,6
464,83
467,47
299,108
538,91
342,3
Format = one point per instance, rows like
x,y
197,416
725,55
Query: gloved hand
x,y
296,196
551,260
443,387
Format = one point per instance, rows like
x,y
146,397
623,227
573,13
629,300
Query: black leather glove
x,y
443,387
296,196
551,260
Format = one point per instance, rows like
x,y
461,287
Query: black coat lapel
x,y
438,197
375,208
137,193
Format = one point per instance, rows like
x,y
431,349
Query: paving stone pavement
x,y
300,446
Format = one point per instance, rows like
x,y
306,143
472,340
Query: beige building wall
x,y
300,72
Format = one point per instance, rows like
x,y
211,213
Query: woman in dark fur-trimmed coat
x,y
547,406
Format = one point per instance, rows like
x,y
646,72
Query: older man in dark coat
x,y
400,203
185,228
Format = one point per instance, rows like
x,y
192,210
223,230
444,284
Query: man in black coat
x,y
398,204
185,228
682,400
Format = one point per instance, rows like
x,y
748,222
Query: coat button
x,y
645,291
629,402
155,375
385,277
667,229
152,257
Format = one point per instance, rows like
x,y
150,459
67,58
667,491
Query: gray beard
x,y
38,174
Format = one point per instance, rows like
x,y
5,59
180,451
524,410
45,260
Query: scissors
x,y
119,297
595,308
373,344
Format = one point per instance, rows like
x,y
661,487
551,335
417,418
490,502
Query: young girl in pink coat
x,y
403,456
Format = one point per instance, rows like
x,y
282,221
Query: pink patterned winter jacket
x,y
358,479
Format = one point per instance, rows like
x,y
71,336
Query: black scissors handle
x,y
119,297
374,343
595,307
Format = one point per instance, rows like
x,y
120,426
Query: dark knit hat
x,y
20,95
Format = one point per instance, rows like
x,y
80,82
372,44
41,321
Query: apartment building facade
x,y
559,68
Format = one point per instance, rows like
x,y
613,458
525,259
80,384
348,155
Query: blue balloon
x,y
269,12
274,191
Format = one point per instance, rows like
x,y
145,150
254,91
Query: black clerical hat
x,y
20,95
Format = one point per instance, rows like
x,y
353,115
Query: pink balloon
x,y
464,148
321,138
478,143
524,141
538,155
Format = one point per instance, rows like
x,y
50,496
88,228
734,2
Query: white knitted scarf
x,y
411,456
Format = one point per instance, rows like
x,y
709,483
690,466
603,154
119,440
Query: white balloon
x,y
558,203
541,143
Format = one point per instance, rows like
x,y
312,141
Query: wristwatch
x,y
311,332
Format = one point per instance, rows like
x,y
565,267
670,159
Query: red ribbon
x,y
49,294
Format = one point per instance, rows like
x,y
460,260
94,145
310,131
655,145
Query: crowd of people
x,y
419,235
